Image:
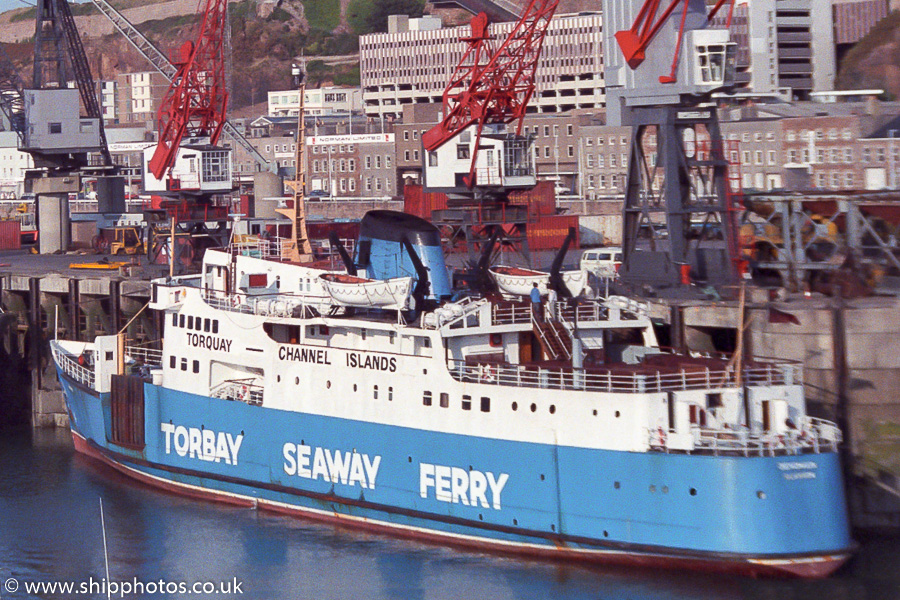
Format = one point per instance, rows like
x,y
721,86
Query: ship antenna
x,y
105,553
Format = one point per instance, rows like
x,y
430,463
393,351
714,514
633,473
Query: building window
x,y
462,151
570,150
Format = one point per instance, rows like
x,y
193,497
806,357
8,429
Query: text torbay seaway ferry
x,y
469,423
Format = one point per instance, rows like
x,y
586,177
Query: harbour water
x,y
50,532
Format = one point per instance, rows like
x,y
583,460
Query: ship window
x,y
375,392
445,399
714,400
206,325
485,404
496,340
426,342
198,323
174,320
390,394
392,336
196,366
323,330
362,333
215,326
467,402
172,362
190,323
181,320
426,398
184,364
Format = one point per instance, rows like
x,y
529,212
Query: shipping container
x,y
550,231
600,230
541,199
418,202
10,235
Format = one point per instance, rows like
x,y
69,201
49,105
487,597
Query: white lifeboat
x,y
518,281
349,290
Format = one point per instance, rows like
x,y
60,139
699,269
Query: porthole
x,y
618,414
652,489
533,407
278,378
552,409
605,533
296,381
617,485
761,495
327,385
693,491
665,489
515,521
515,406
595,412
542,476
354,387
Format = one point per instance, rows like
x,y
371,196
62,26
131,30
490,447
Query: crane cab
x,y
54,125
199,168
504,162
714,59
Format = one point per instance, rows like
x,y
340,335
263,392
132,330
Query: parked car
x,y
602,262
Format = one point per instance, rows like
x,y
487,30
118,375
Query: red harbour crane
x,y
493,86
195,102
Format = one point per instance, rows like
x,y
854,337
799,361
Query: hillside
x,y
874,62
266,37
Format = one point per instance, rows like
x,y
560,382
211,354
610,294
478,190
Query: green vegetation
x,y
322,15
347,76
371,16
25,15
872,62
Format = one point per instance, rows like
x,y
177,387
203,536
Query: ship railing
x,y
241,390
586,311
70,365
274,305
811,435
145,356
567,378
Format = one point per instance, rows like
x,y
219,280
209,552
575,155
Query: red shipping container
x,y
550,231
10,235
541,199
418,202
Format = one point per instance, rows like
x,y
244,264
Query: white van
x,y
602,262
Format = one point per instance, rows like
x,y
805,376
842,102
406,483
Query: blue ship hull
x,y
781,515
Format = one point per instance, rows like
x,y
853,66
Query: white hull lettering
x,y
308,355
348,468
202,444
209,342
459,486
357,360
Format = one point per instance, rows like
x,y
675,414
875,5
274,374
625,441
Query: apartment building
x,y
413,62
326,100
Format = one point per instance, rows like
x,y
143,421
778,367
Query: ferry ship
x,y
467,421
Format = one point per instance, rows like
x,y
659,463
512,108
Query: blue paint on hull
x,y
698,507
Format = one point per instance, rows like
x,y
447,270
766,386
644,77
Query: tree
x,y
371,16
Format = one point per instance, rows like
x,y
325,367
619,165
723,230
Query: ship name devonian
x,y
309,355
210,342
313,462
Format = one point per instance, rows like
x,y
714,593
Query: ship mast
x,y
298,248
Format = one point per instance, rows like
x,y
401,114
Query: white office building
x,y
413,62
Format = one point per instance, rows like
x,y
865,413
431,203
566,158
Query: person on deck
x,y
536,304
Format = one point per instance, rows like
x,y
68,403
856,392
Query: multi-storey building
x,y
320,101
352,165
790,46
752,145
132,98
13,164
412,64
